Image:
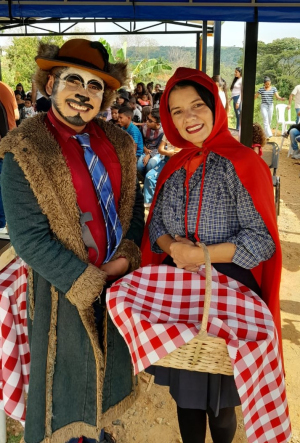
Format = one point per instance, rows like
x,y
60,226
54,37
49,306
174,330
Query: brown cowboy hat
x,y
82,54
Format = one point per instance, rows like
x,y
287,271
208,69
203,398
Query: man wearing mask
x,y
75,217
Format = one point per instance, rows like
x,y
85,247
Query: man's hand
x,y
146,159
116,267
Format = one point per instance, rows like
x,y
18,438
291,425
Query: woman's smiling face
x,y
191,116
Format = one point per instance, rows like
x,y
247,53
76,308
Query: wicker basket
x,y
202,353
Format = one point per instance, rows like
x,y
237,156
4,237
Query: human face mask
x,y
76,96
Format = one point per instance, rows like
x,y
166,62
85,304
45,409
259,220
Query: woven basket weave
x,y
202,353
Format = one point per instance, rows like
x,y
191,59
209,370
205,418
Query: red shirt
x,y
86,195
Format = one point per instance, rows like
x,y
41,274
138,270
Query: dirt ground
x,y
152,419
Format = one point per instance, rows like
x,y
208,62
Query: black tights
x,y
192,424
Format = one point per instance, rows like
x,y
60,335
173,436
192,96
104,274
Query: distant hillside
x,y
230,56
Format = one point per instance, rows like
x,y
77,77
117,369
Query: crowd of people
x,y
71,187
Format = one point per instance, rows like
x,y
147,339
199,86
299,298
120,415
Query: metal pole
x,y
198,51
249,74
217,48
2,426
204,46
0,64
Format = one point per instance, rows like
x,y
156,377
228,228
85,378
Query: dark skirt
x,y
200,390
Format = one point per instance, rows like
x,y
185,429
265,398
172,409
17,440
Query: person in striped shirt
x,y
267,93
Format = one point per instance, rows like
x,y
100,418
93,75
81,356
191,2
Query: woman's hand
x,y
186,255
116,267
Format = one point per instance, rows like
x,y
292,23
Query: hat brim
x,y
46,64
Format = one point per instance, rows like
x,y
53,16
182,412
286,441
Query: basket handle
x,y
203,328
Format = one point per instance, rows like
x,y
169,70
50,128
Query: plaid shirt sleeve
x,y
253,242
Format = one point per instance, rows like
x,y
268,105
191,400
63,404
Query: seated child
x,y
156,99
125,121
152,135
114,114
144,100
166,150
21,106
137,115
145,113
258,138
122,98
28,109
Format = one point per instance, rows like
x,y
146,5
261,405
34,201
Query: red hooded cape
x,y
251,170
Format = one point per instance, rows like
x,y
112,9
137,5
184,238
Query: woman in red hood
x,y
219,192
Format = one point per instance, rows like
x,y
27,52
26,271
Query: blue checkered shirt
x,y
227,212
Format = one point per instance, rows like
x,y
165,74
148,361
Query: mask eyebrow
x,y
76,76
94,81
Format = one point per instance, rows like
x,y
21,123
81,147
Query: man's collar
x,y
65,131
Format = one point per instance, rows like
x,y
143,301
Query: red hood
x,y
220,124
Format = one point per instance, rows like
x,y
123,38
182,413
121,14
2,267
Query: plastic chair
x,y
280,118
272,160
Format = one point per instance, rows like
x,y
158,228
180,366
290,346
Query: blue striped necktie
x,y
105,195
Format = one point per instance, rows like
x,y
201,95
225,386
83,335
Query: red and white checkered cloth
x,y
157,309
14,347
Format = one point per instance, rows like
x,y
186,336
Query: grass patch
x,y
13,438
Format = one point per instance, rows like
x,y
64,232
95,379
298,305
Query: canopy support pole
x,y
249,74
204,47
198,51
217,48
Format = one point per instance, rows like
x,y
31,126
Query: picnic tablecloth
x,y
159,308
14,347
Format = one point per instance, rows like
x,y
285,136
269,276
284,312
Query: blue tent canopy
x,y
157,10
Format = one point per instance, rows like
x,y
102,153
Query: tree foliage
x,y
148,70
143,70
120,54
19,64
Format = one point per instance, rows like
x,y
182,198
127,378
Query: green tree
x,y
144,70
148,70
19,63
120,54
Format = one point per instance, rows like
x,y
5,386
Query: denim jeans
x,y
293,134
2,216
297,116
267,114
237,111
150,165
151,180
